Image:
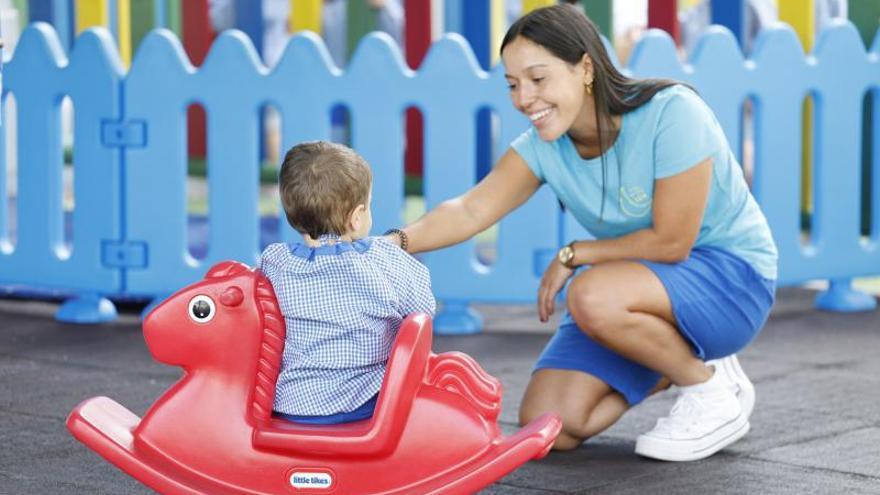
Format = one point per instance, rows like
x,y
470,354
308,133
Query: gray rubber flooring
x,y
815,429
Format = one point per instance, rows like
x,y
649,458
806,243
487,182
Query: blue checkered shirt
x,y
342,304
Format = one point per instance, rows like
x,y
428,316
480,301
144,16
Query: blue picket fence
x,y
130,221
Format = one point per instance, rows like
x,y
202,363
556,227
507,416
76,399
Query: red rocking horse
x,y
434,429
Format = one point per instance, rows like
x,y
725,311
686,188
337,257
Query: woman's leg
x,y
624,306
587,405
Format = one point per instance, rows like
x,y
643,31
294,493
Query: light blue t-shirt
x,y
669,134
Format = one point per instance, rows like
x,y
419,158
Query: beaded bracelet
x,y
404,239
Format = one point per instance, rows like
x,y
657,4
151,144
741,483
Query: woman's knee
x,y
573,423
592,309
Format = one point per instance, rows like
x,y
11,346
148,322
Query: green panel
x,y
600,12
865,14
361,20
142,21
173,14
22,7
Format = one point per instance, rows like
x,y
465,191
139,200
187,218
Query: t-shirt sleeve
x,y
687,133
525,146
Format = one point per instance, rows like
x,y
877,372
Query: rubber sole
x,y
692,450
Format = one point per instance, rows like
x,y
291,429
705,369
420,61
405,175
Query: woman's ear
x,y
356,217
587,64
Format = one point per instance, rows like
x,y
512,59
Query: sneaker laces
x,y
685,413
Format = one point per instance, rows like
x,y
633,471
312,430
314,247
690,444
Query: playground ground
x,y
815,429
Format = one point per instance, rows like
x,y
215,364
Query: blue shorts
x,y
365,411
719,302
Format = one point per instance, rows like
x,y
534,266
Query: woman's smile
x,y
540,117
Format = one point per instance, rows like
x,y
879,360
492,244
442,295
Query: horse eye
x,y
202,309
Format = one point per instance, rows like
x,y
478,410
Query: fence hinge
x,y
117,254
124,134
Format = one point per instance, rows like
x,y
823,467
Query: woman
x,y
683,266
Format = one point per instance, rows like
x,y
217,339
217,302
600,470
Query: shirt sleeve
x,y
687,133
410,279
415,291
525,147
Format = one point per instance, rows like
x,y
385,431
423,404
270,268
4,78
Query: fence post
x,y
840,295
663,14
481,28
730,14
418,36
173,17
249,18
58,13
144,17
865,15
197,37
601,12
305,15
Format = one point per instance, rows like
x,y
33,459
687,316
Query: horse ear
x,y
232,296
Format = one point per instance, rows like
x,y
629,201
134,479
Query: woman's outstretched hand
x,y
552,281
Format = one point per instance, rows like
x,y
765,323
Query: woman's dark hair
x,y
567,33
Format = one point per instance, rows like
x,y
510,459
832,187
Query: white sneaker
x,y
733,372
706,418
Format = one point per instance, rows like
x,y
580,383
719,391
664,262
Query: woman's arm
x,y
679,203
508,185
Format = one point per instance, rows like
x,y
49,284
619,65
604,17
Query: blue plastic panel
x,y
142,214
779,78
39,75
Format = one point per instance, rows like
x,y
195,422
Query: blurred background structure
x,y
133,161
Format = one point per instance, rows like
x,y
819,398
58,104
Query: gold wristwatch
x,y
566,255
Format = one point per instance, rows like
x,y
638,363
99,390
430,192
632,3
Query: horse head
x,y
212,324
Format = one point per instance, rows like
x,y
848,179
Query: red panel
x,y
197,38
418,41
663,14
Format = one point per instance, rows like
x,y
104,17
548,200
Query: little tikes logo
x,y
311,480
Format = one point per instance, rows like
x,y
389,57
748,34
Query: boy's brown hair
x,y
321,183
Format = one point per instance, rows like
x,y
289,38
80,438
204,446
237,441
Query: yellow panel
x,y
801,16
498,26
305,15
123,30
530,5
91,13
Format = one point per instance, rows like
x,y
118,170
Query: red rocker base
x,y
434,429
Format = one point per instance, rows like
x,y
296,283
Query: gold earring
x,y
590,88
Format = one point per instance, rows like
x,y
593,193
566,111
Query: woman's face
x,y
548,90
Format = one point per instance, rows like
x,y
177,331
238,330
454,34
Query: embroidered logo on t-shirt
x,y
634,202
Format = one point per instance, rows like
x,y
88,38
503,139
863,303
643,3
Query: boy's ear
x,y
356,217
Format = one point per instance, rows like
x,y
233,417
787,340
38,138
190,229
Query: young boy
x,y
343,294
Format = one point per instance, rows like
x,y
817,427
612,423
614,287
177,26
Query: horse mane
x,y
271,349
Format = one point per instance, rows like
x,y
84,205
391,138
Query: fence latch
x,y
124,134
118,254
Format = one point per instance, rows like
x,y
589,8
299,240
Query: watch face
x,y
566,254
